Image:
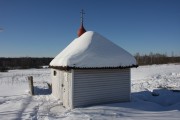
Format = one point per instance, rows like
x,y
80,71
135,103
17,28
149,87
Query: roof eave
x,y
69,67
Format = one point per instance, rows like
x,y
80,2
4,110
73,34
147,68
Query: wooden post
x,y
30,80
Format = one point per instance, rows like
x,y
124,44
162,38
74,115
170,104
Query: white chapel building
x,y
91,70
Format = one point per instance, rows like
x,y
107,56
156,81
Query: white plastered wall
x,y
56,83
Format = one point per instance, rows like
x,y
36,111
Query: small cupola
x,y
81,30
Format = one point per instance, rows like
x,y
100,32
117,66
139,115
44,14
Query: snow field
x,y
152,97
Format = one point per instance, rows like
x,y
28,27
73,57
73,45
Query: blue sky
x,y
42,28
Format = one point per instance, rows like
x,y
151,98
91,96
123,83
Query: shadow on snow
x,y
42,91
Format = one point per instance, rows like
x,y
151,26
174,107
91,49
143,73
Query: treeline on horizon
x,y
156,58
32,62
23,63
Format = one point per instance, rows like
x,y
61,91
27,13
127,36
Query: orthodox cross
x,y
82,16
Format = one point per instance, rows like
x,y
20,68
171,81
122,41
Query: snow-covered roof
x,y
92,50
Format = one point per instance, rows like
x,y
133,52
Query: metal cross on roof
x,y
82,16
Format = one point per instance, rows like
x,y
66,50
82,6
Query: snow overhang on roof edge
x,y
69,68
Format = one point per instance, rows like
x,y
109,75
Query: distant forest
x,y
23,63
30,62
156,58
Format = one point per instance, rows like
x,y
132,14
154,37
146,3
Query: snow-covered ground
x,y
152,97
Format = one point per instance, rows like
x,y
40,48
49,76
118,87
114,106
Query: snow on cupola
x,y
92,50
81,29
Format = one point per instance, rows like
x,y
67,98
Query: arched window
x,y
55,73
